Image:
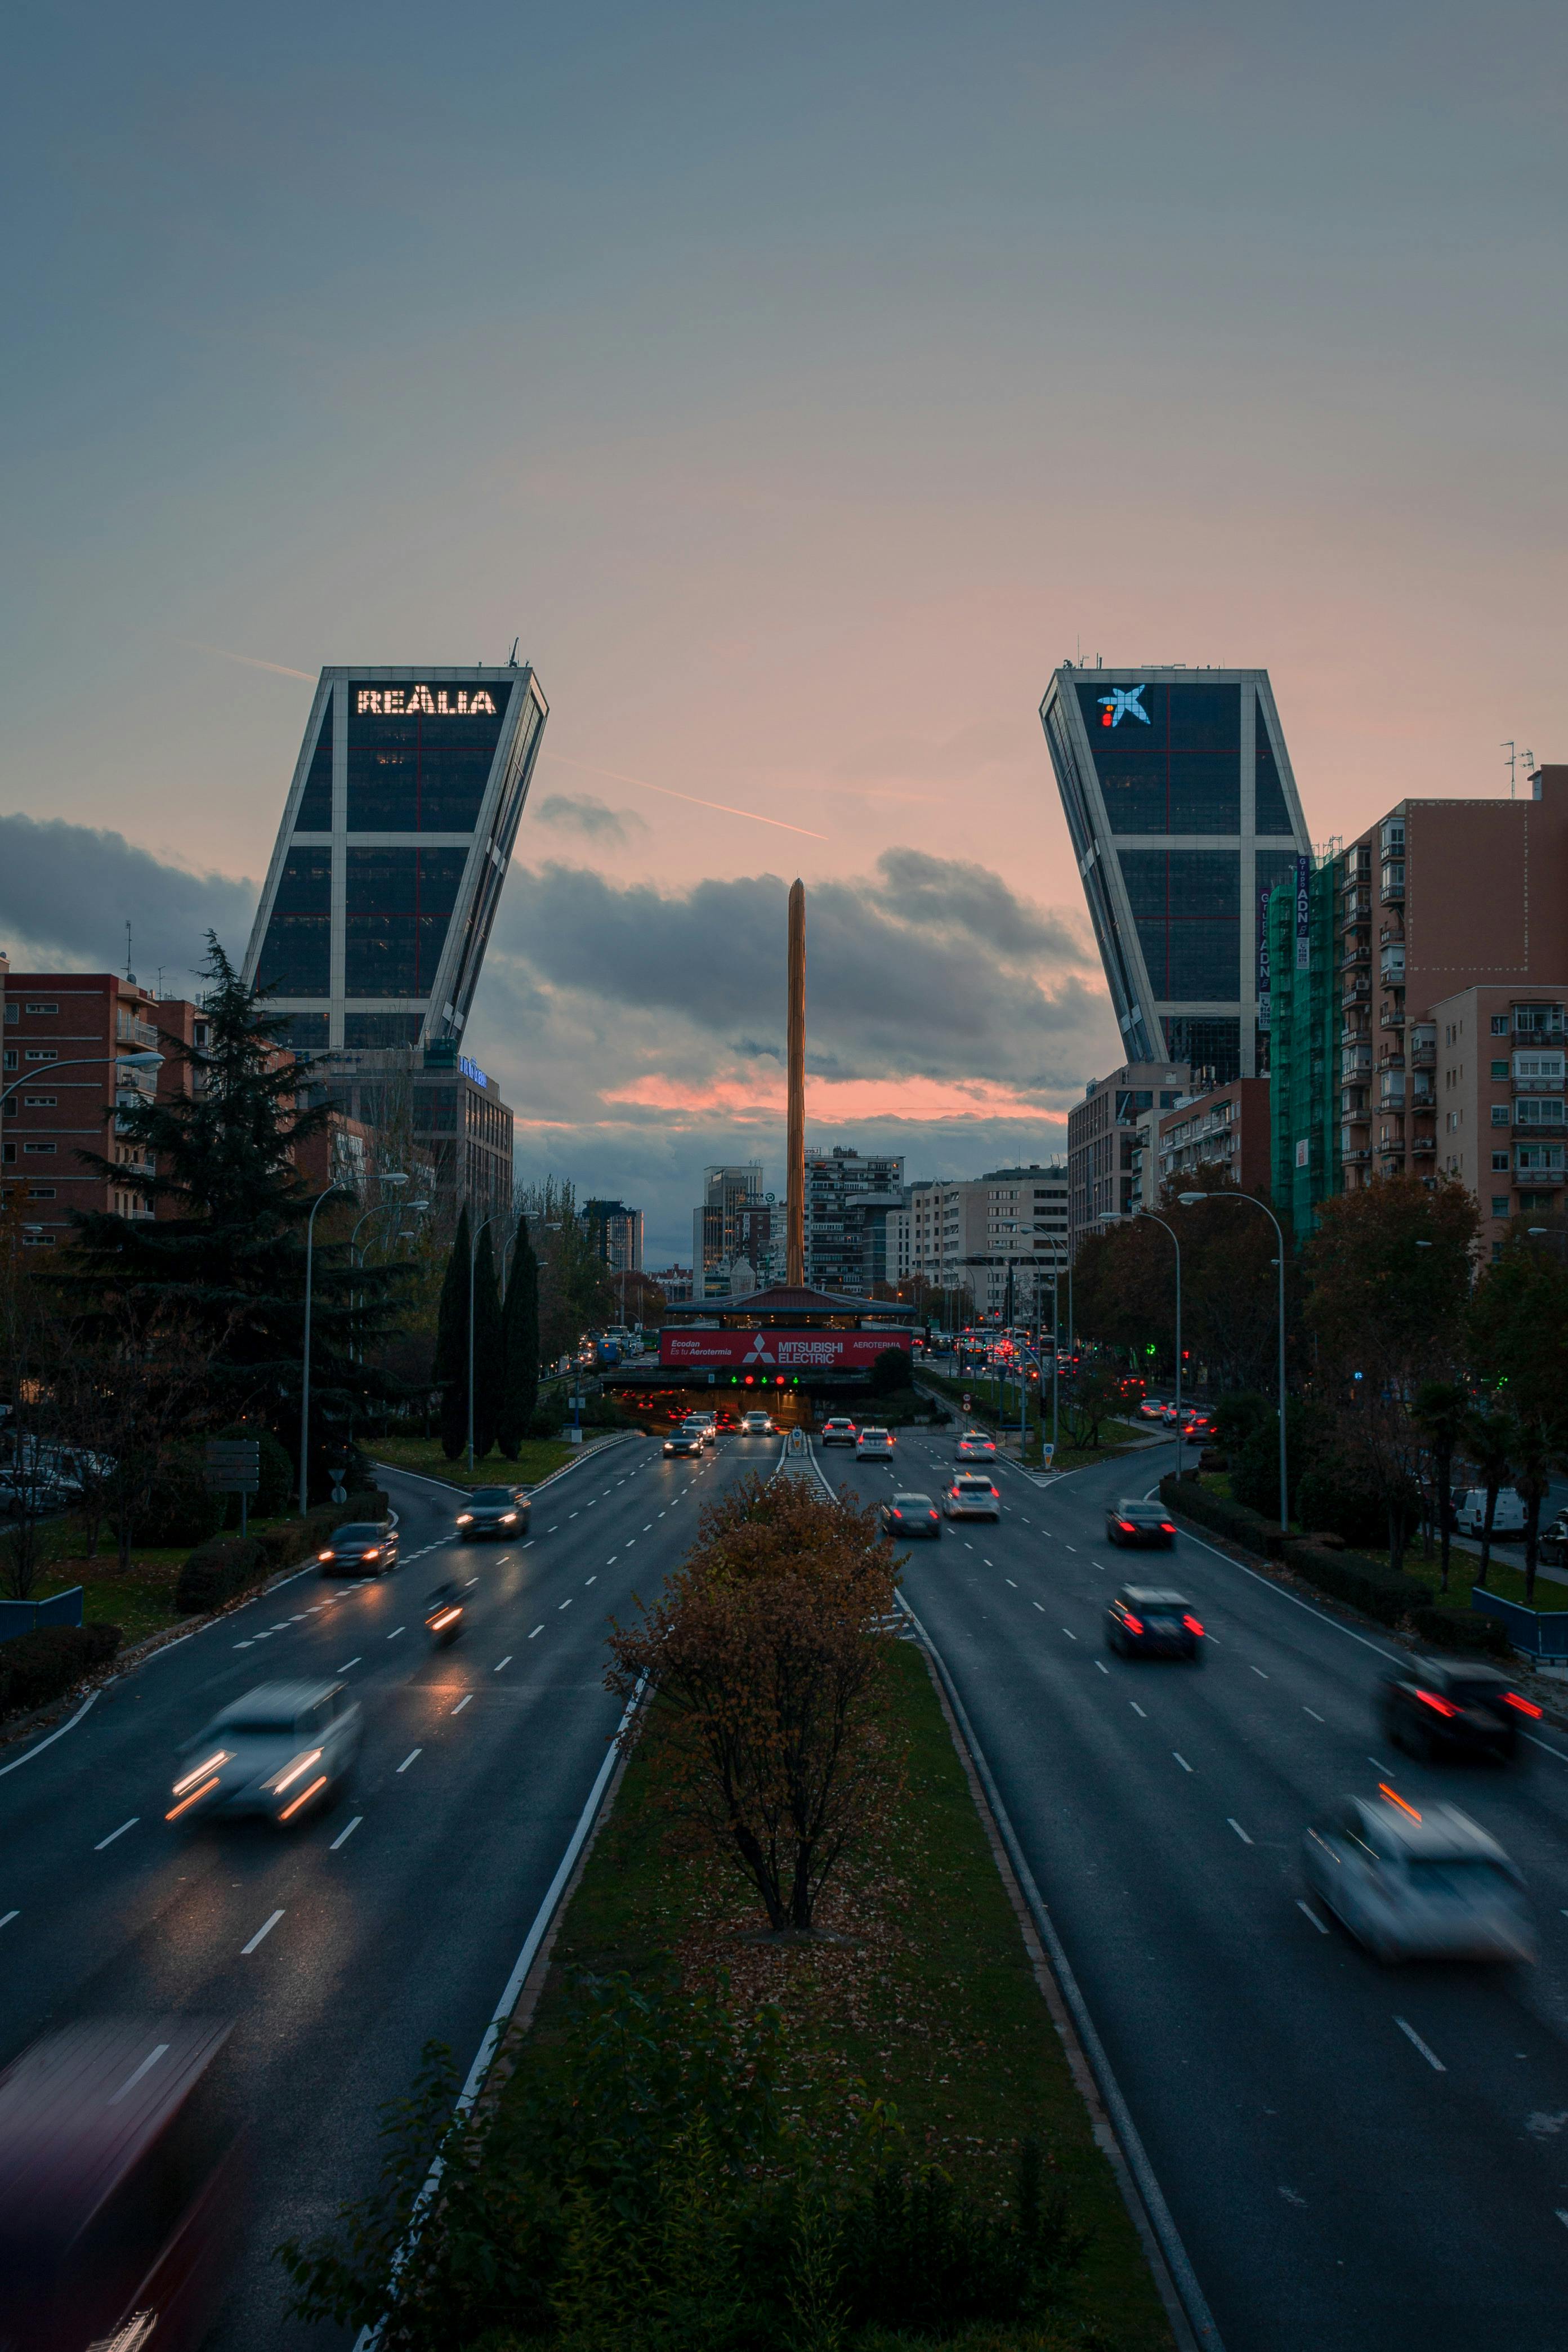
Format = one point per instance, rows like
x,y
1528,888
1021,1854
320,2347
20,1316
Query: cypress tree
x,y
451,1368
519,1347
488,1358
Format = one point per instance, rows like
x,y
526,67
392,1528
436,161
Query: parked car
x,y
1438,1709
1553,1548
840,1431
1132,1522
1143,1622
363,1548
975,1445
498,1512
972,1495
910,1514
282,1749
874,1444
1468,1504
682,1441
1423,1883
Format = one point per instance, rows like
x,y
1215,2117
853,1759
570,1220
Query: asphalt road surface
x,y
396,1916
1368,2158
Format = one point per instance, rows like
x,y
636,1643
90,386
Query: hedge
x,y
1232,1520
1443,1631
37,1667
1365,1584
227,1565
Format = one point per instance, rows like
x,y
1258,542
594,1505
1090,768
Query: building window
x,y
1536,1110
13,1013
1500,1069
39,1149
40,1102
37,1241
1500,1024
1500,1114
10,1057
1499,1205
41,1053
43,1008
295,956
399,909
420,771
41,1192
1499,1161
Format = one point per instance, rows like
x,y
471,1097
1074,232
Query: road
x,y
392,1919
1356,2157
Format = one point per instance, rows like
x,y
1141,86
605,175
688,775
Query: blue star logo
x,y
1122,702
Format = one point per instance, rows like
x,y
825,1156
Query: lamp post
x,y
305,1369
1176,1247
1186,1201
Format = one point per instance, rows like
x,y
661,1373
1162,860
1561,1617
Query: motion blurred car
x,y
975,1445
1419,1883
706,1424
910,1514
840,1431
365,1547
281,1751
874,1444
972,1495
683,1440
1152,1409
121,2192
1439,1710
1132,1523
1168,1412
497,1512
758,1424
1146,1622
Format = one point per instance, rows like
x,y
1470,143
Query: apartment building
x,y
616,1234
1224,1126
1110,1142
849,1195
966,1234
1490,1063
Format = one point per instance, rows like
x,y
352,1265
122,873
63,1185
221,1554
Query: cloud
x,y
66,892
583,814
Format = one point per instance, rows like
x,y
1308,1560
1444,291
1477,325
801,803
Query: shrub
x,y
1328,1498
891,1372
180,1509
1232,1520
293,1540
216,1571
1255,1464
1382,1592
1238,1414
1440,1630
37,1667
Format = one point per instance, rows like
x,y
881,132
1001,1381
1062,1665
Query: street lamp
x,y
1187,1199
139,1061
1176,1247
305,1374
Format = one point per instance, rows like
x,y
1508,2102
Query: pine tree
x,y
451,1370
487,1356
519,1347
227,1254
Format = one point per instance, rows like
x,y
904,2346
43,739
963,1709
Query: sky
x,y
800,386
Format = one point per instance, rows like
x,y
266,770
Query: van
x,y
1470,1510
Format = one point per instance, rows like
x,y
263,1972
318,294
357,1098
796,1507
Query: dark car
x,y
683,1440
1142,1622
1133,1523
497,1512
910,1514
1437,1709
368,1547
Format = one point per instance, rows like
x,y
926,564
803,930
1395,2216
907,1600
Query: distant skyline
x,y
800,388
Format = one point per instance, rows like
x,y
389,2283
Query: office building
x,y
970,1234
738,1234
387,868
848,1196
1183,815
1112,1143
616,1234
427,1107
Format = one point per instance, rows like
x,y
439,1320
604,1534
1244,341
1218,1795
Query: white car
x,y
703,1426
874,1444
840,1431
758,1424
1418,1883
975,1445
972,1495
282,1750
1471,1511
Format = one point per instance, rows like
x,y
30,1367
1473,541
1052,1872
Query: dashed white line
x,y
1098,1662
392,1637
120,1832
1181,1759
242,1645
1070,1634
1313,1713
1136,1709
1008,1580
463,1703
264,1930
5,1922
504,1662
589,1579
1320,1925
1379,1763
344,1835
565,1604
408,1759
1258,1671
1425,2049
537,1631
348,1662
1237,1828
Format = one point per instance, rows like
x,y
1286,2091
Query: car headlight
x,y
507,1518
464,1519
294,1771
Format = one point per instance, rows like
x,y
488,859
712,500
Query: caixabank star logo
x,y
1122,702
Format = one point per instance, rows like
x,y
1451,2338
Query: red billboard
x,y
764,1353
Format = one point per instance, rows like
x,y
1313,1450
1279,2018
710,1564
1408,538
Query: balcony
x,y
1359,952
1390,935
1391,1091
1355,907
1423,1146
140,1033
1357,1155
1391,1058
1391,892
1391,968
1425,1094
1356,987
1355,1061
1392,1017
1356,1033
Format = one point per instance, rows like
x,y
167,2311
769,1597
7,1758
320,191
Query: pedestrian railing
x,y
1543,1632
26,1616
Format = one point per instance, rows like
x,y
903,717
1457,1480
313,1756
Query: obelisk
x,y
795,1153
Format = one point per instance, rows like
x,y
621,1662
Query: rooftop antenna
x,y
130,975
512,658
1529,764
1512,763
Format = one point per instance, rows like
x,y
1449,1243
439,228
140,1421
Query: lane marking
x,y
1312,1916
527,1547
120,1832
505,1662
1427,2052
551,1531
1181,1759
1237,1828
1007,1580
590,1579
1378,1761
1098,1662
537,1631
351,1661
408,1759
245,1950
1040,1606
565,1604
1258,1670
1136,1709
158,2050
344,1835
1313,1713
5,1922
242,1645
392,1637
615,1555
462,1703
1070,1634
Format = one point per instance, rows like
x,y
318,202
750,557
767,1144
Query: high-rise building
x,y
616,1234
1113,1144
737,1233
969,1234
849,1194
1304,1049
1183,815
376,906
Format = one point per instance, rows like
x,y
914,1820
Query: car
x,y
1131,1522
682,1441
758,1424
972,1495
363,1548
708,1422
910,1514
281,1751
1553,1548
1168,1412
498,1512
974,1445
1144,1622
1469,1506
1439,1708
874,1444
840,1431
1152,1409
1418,1882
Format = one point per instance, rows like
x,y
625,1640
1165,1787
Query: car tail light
x,y
1395,1798
1525,1707
304,1797
1133,1624
1439,1705
1167,1527
1191,1624
1126,1526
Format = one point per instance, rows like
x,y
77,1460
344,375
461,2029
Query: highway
x,y
1357,2156
396,1916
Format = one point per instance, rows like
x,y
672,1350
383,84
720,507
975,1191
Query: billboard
x,y
777,1351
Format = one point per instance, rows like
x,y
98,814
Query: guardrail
x,y
1543,1633
26,1616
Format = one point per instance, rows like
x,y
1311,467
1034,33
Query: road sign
x,y
233,1465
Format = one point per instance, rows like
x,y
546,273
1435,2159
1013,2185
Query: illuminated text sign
x,y
439,702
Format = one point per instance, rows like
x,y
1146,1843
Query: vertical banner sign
x,y
1265,997
1303,915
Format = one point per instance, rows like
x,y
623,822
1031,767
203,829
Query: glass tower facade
x,y
393,850
1184,816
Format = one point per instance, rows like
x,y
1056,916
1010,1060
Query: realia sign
x,y
777,1351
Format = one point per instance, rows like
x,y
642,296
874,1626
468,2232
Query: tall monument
x,y
795,1155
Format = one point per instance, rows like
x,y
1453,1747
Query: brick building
x,y
1106,1150
1224,1126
